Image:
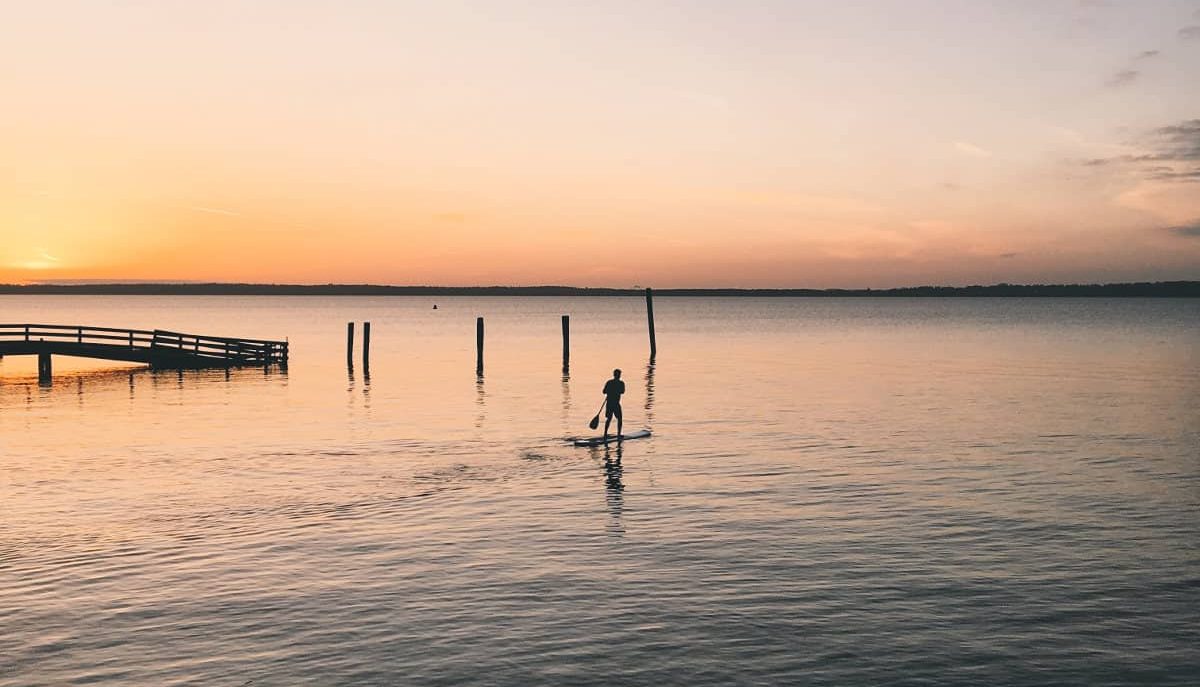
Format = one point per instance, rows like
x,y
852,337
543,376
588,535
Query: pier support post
x,y
366,346
44,368
349,344
650,321
479,345
566,332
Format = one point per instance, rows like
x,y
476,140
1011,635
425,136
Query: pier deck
x,y
158,348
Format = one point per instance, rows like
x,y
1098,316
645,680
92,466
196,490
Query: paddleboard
x,y
612,438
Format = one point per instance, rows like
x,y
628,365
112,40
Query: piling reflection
x,y
649,406
366,387
480,400
351,386
566,398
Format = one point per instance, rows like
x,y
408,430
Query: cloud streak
x,y
1173,154
1191,231
1182,141
1129,75
1189,33
1123,78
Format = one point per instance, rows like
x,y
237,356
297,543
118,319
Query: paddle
x,y
596,420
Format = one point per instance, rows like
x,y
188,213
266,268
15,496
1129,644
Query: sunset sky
x,y
700,143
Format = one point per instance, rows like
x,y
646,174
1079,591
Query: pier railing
x,y
158,346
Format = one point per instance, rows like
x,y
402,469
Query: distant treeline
x,y
1163,289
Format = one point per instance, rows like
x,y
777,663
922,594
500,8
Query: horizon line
x,y
1175,288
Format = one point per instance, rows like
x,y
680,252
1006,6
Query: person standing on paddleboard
x,y
613,389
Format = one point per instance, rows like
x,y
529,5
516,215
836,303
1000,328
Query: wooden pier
x,y
159,348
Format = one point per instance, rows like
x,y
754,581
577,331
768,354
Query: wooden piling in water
x,y
566,333
479,345
366,346
44,368
349,344
650,321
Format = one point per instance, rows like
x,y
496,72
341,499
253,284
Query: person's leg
x,y
608,421
620,422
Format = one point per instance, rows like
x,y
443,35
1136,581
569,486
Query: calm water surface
x,y
839,492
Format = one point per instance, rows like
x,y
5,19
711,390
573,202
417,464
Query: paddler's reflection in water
x,y
613,486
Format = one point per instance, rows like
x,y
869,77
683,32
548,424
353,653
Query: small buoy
x,y
435,306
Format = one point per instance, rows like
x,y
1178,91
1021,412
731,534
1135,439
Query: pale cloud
x,y
815,204
971,149
1189,33
1071,135
40,260
1167,201
215,211
1096,149
932,225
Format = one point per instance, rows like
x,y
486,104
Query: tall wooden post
x,y
349,344
478,345
650,321
566,332
366,345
